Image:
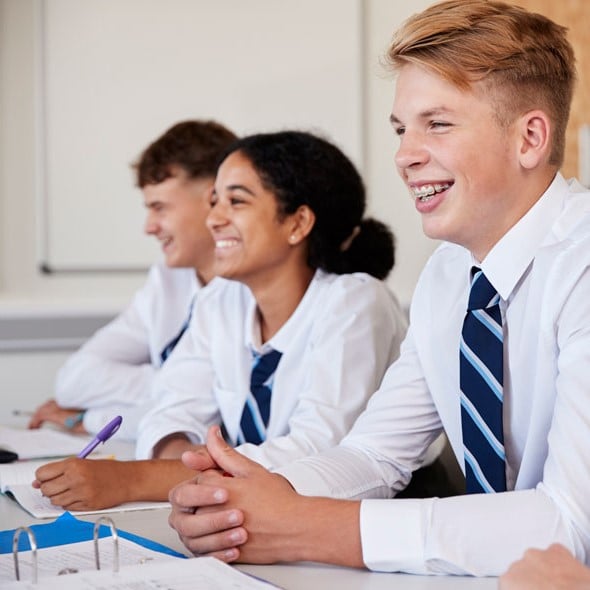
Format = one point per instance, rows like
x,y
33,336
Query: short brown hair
x,y
523,59
193,146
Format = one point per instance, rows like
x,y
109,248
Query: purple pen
x,y
103,435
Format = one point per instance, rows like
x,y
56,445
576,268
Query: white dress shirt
x,y
113,372
336,347
541,271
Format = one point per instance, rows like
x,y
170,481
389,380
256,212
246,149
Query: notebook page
x,y
39,506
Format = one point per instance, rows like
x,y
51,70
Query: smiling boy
x,y
481,107
113,372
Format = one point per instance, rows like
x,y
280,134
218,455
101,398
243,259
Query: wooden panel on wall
x,y
575,15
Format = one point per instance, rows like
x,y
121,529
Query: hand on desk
x,y
95,484
255,516
81,484
552,569
51,412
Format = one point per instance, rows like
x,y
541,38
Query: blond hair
x,y
523,59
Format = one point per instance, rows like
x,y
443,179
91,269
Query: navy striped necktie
x,y
256,411
481,380
167,350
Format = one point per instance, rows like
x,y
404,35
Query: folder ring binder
x,y
33,543
115,535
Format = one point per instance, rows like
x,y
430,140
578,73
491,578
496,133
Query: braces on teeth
x,y
426,192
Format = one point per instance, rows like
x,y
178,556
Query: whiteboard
x,y
114,74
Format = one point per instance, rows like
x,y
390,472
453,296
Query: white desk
x,y
153,524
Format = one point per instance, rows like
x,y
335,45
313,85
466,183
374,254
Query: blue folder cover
x,y
68,529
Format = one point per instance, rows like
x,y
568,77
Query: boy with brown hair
x,y
113,372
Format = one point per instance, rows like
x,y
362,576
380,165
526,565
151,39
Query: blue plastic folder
x,y
68,529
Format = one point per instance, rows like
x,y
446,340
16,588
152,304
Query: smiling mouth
x,y
425,192
227,243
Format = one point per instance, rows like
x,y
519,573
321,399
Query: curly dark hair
x,y
300,168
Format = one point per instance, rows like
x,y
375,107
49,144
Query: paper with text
x,y
79,556
202,573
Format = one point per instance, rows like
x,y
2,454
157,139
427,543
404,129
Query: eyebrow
x,y
424,114
237,187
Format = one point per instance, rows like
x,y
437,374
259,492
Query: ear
x,y
534,129
300,224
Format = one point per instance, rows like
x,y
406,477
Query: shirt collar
x,y
509,259
197,283
280,341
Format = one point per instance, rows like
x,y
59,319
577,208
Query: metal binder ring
x,y
109,521
32,543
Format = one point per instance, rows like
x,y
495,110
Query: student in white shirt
x,y
480,108
113,372
287,220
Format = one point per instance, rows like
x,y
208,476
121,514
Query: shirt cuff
x,y
393,534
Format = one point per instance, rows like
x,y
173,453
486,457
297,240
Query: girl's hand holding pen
x,y
81,484
77,484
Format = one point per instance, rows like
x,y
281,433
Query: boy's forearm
x,y
329,532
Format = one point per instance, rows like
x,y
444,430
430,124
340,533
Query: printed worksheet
x,y
77,557
201,573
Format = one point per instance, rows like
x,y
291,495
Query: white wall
x,y
24,287
390,200
26,380
21,281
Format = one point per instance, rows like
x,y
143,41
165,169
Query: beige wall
x,y
575,15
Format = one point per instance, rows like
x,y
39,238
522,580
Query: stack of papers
x,y
203,573
65,561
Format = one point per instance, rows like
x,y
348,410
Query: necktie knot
x,y
482,294
256,412
264,366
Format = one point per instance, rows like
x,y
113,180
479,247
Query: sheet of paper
x,y
45,442
203,573
19,472
39,506
79,556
